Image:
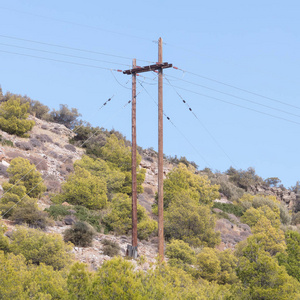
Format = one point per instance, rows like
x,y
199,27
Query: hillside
x,y
215,223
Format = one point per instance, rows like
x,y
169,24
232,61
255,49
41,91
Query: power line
x,y
237,97
168,118
238,105
63,54
78,24
58,60
237,88
69,48
201,123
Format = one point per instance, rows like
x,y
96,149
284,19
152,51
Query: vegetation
x,y
80,234
13,117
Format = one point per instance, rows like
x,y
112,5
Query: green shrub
x,y
110,248
13,117
57,212
229,208
39,247
178,250
119,219
22,172
5,142
29,213
65,116
80,234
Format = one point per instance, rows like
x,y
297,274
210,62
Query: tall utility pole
x,y
132,249
160,157
133,169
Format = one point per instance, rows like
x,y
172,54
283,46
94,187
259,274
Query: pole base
x,y
132,251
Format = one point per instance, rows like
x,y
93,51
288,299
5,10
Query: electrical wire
x,y
201,123
238,105
181,133
237,88
63,54
237,97
69,48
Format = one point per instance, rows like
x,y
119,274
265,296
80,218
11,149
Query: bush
x,y
229,208
39,247
179,250
80,234
28,213
119,219
13,117
21,172
35,142
44,138
70,148
58,212
65,116
5,142
110,248
24,145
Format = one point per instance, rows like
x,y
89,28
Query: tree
x,y
65,116
198,188
39,247
272,181
22,172
119,219
193,223
83,188
291,258
13,117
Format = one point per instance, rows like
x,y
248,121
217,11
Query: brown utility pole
x,y
160,157
132,249
133,169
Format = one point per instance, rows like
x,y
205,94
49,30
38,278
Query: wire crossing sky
x,y
236,65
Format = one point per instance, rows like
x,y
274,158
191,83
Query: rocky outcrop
x,y
284,195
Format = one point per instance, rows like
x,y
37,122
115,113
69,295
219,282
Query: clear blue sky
x,y
253,45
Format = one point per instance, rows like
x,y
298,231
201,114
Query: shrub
x,y
70,147
44,138
110,248
119,219
80,234
39,247
24,145
57,212
40,163
3,171
229,208
5,142
28,213
13,117
178,250
35,142
83,188
193,223
21,172
65,116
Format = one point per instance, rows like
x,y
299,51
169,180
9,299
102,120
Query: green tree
x,y
193,223
13,117
83,188
22,172
65,116
119,219
290,259
183,179
39,247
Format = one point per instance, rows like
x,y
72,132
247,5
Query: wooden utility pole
x,y
133,169
132,249
160,157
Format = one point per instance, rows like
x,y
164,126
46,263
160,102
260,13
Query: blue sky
x,y
252,45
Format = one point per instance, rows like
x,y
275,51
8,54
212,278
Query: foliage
x,y
83,188
264,278
291,258
65,116
180,255
29,213
193,223
92,217
244,178
22,172
253,215
110,248
80,234
4,241
13,117
229,208
182,179
5,142
272,181
39,247
113,177
119,219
